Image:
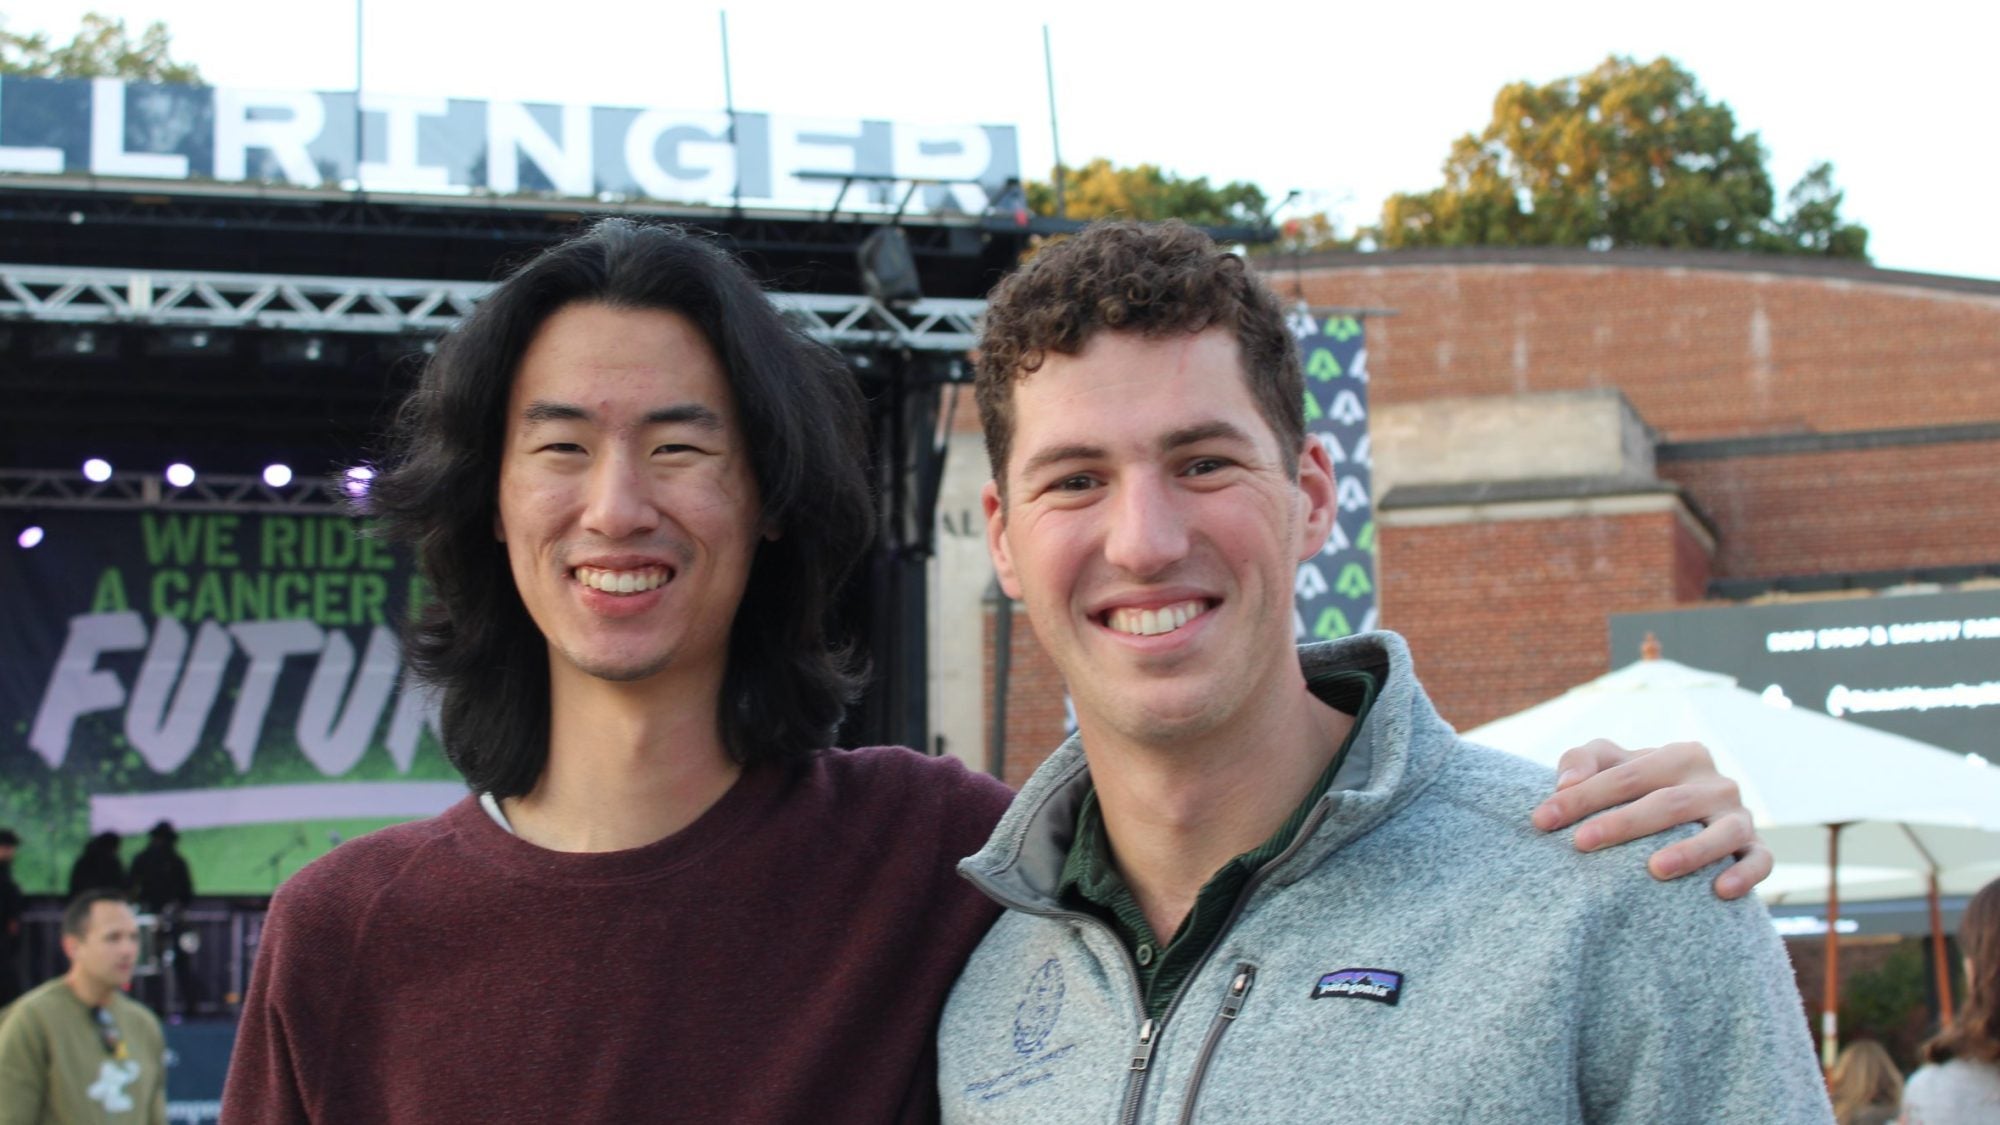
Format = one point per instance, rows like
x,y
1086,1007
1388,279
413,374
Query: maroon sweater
x,y
784,958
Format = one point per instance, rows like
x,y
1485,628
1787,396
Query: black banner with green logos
x,y
1334,591
235,673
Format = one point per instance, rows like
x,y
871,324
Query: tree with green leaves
x,y
1101,190
103,48
1630,154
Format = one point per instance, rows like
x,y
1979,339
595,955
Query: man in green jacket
x,y
77,1048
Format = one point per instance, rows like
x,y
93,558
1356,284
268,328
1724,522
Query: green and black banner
x,y
1334,592
235,673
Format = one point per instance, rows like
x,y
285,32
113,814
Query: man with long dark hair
x,y
634,491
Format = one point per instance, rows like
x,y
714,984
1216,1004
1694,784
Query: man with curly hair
x,y
1267,883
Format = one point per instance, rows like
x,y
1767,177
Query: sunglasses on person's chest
x,y
107,1031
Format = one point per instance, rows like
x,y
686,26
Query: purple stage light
x,y
97,470
180,474
357,480
277,476
30,536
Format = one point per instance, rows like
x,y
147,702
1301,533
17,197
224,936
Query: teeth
x,y
1153,622
622,581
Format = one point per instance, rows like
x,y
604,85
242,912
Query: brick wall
x,y
1699,352
1036,711
1503,614
1857,510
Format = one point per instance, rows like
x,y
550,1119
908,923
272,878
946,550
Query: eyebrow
x,y
1058,453
1217,430
683,413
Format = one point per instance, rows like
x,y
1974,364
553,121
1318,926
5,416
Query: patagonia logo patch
x,y
1380,985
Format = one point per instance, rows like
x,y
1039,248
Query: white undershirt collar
x,y
492,806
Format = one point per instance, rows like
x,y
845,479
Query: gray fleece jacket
x,y
1419,953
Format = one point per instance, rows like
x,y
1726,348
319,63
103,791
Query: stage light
x,y
184,343
30,536
293,349
888,271
74,342
97,470
180,474
357,480
277,476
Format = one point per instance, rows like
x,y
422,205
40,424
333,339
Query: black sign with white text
x,y
1925,666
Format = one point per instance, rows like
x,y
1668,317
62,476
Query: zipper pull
x,y
1238,989
1143,1053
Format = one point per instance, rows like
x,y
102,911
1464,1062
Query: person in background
x,y
77,1049
1866,1086
1959,1082
98,868
160,879
11,904
163,887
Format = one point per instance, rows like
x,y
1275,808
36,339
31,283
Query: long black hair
x,y
788,681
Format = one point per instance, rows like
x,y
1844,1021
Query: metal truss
x,y
40,488
378,306
186,203
70,295
942,325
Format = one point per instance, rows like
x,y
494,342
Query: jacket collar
x,y
1400,747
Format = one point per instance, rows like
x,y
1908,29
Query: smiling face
x,y
1151,527
627,501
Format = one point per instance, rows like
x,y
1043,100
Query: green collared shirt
x,y
1091,882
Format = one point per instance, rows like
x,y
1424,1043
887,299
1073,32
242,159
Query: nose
x,y
1148,530
620,503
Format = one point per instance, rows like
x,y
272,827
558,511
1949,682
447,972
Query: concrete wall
x,y
1460,440
960,574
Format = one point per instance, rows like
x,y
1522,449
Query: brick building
x,y
1564,435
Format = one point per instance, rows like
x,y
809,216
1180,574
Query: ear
x,y
996,538
1316,498
70,945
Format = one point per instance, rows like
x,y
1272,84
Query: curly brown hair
x,y
1974,1032
1156,279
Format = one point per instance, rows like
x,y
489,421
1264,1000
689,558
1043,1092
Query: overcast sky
x,y
1345,103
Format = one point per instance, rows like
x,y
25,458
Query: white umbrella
x,y
1804,884
1908,812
